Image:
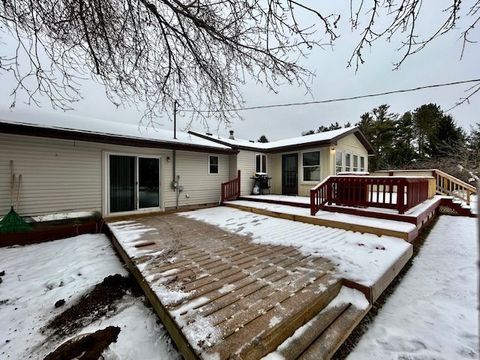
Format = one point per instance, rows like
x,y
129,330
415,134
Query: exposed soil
x,y
94,305
362,328
86,346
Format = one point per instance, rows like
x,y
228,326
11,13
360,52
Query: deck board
x,y
237,299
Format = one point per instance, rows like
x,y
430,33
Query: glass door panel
x,y
122,183
148,183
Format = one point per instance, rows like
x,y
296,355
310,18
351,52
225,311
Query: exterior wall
x,y
352,145
326,166
232,160
246,163
65,175
199,187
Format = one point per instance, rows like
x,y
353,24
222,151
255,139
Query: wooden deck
x,y
221,296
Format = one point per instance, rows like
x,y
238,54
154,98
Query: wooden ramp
x,y
221,296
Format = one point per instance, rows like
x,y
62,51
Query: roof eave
x,y
78,135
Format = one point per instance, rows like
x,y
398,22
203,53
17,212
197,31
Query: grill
x,y
261,184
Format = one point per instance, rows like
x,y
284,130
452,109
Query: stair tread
x,y
335,335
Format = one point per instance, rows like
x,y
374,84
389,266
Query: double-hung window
x,y
355,162
213,164
347,162
311,166
260,163
362,163
338,162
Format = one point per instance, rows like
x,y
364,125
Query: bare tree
x,y
195,52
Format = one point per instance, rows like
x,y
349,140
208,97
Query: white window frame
x,y
261,163
342,165
106,184
319,165
218,165
349,162
355,168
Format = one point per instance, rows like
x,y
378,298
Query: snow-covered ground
x,y
363,258
329,215
36,276
433,313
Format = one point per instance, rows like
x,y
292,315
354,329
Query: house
x,y
70,164
296,164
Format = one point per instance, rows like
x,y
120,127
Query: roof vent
x,y
251,141
231,135
209,134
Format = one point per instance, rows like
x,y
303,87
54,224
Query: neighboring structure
x,y
297,164
118,168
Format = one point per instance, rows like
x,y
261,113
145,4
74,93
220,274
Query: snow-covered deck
x,y
224,280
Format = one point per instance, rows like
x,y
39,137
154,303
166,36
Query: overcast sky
x,y
437,63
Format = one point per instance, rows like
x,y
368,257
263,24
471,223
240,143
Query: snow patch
x,y
433,313
362,258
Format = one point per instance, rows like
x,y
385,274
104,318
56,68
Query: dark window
x,y
261,163
213,164
311,166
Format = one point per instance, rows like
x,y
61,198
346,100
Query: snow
x,y
345,296
362,258
474,204
197,329
329,215
286,198
128,233
63,216
433,313
313,138
36,276
105,127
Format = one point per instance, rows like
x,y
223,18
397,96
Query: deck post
x,y
238,183
313,207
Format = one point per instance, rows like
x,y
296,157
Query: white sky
x,y
437,63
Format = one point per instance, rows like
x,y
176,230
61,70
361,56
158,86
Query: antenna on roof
x,y
175,119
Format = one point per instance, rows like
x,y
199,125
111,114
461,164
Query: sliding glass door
x,y
134,183
122,183
148,183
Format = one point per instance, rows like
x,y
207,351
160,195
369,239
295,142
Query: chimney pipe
x,y
231,135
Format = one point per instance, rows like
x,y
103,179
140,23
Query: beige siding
x,y
246,164
233,166
64,175
351,144
199,187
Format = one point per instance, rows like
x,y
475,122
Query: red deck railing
x,y
391,192
231,189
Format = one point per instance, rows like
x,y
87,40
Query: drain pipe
x,y
175,178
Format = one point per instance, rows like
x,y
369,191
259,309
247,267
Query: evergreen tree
x,y
263,139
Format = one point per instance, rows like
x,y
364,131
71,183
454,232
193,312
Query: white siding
x,y
64,175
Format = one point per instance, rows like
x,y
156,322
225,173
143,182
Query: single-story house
x,y
121,168
296,164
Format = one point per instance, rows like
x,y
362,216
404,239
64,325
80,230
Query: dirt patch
x,y
86,346
94,305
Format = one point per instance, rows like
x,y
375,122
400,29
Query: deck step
x,y
325,346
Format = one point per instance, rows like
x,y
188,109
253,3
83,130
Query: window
x,y
355,162
261,163
311,166
347,162
213,164
339,161
362,163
